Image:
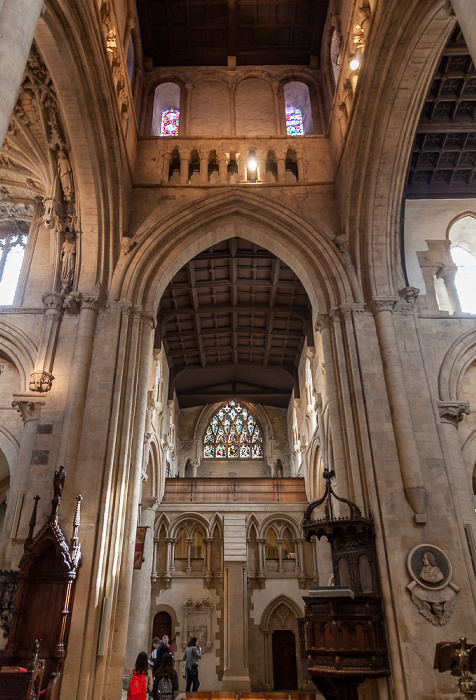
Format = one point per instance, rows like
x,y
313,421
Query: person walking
x,y
138,682
164,648
166,679
192,656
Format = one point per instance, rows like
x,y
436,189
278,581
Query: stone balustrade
x,y
206,162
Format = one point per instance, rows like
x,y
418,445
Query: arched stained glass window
x,y
169,125
12,249
294,125
233,433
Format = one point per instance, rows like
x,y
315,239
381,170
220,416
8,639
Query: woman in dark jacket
x,y
166,679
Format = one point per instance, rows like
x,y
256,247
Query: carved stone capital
x,y
41,381
447,272
453,412
89,301
323,321
382,304
53,301
28,407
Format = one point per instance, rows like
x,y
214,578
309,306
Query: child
x,y
139,680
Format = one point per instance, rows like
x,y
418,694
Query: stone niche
x,y
197,622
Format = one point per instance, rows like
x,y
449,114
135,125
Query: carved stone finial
x,y
74,545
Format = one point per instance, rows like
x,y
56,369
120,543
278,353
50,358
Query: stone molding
x,y
453,412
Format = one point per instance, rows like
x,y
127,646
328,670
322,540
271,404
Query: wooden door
x,y
162,625
284,660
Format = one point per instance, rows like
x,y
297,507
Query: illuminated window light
x,y
294,125
169,124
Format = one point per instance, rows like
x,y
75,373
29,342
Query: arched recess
x,y
173,620
189,521
400,58
281,613
81,75
10,447
280,523
165,245
19,349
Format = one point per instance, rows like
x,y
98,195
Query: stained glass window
x,y
169,124
294,125
233,433
12,249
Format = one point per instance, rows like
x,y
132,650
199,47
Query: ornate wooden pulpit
x,y
45,596
343,633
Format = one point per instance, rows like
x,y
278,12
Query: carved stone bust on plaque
x,y
431,590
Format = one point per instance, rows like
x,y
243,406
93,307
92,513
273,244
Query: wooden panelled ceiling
x,y
233,322
443,160
206,32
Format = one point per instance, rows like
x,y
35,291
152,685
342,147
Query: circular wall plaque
x,y
429,567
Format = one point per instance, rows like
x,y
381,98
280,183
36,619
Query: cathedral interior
x,y
237,344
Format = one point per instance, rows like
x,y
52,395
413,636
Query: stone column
x,y
209,573
466,16
448,274
404,431
261,169
232,92
324,325
300,167
261,541
133,462
184,164
139,614
29,407
41,378
188,568
241,160
204,155
236,676
222,168
281,164
166,166
78,386
18,20
451,414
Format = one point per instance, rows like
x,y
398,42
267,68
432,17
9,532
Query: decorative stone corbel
x,y
453,412
41,378
29,408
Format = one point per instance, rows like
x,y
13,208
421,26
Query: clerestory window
x,y
233,433
12,250
166,112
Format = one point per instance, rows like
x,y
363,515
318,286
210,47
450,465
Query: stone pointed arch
x,y
400,59
272,607
162,520
455,363
286,520
19,349
252,521
216,523
80,72
165,245
192,517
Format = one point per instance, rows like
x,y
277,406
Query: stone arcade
x,y
234,225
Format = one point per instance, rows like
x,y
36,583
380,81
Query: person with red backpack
x,y
139,681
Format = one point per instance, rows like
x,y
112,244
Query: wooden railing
x,y
229,490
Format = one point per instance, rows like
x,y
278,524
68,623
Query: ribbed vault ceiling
x,y
233,322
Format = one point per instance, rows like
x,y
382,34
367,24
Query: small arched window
x,y
12,250
166,113
298,110
130,59
463,252
233,433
